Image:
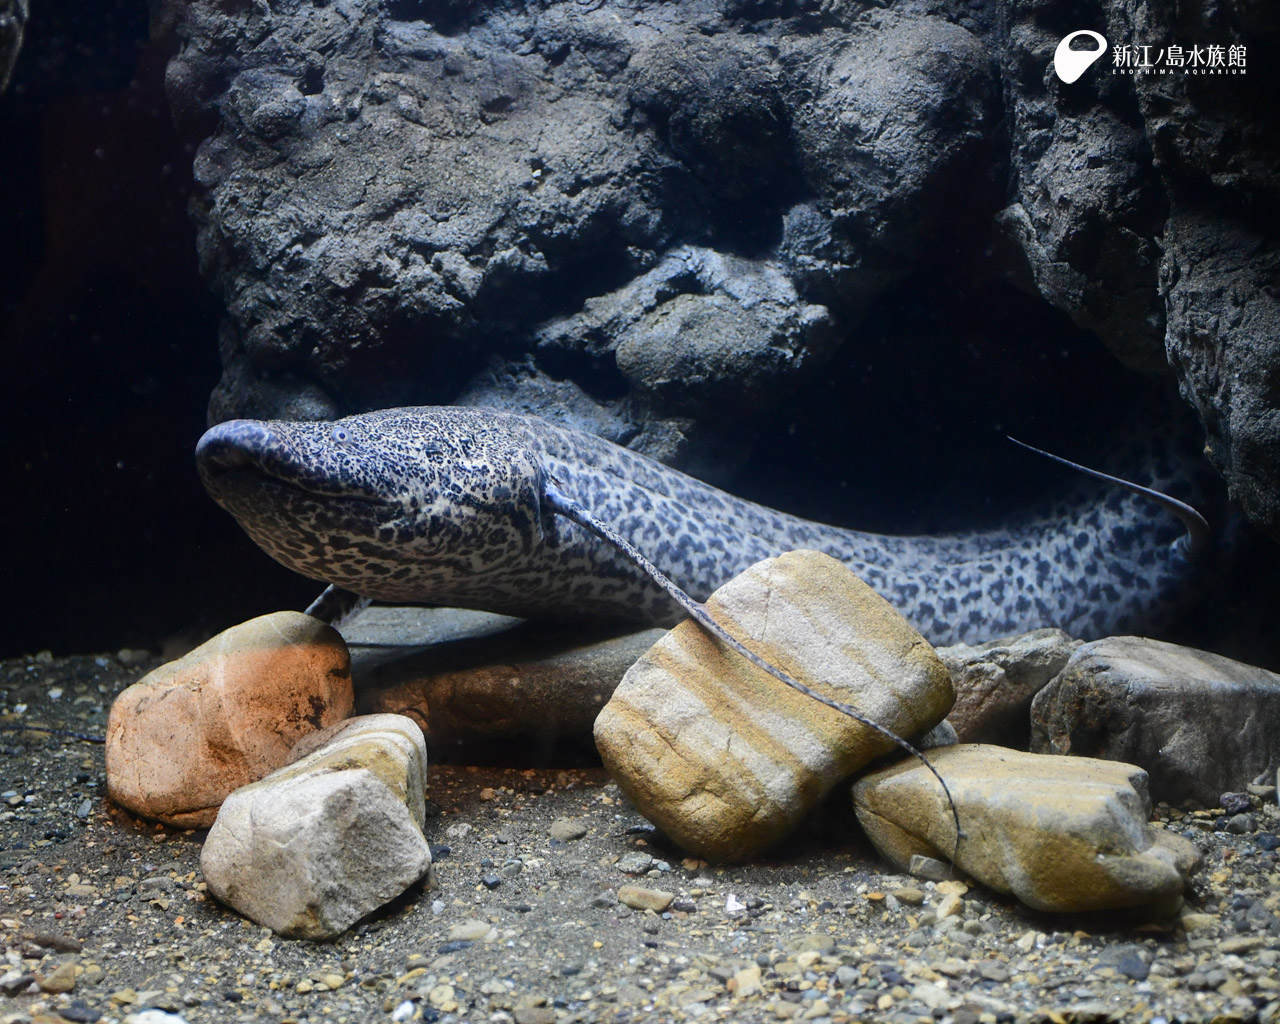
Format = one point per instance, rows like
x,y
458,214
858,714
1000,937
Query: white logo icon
x,y
1071,64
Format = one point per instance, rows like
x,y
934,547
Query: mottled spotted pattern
x,y
446,506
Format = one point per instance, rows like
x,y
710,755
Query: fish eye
x,y
431,448
340,434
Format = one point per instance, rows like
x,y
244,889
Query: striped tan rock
x,y
1059,833
724,758
189,733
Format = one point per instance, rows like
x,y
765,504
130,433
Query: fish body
x,y
449,506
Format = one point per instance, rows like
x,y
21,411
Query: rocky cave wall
x,y
662,221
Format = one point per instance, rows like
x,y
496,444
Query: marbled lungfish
x,y
475,508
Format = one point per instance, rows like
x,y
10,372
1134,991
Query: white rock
x,y
153,1017
320,843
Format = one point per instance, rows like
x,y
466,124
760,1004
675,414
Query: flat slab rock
x,y
726,759
320,843
526,680
189,733
1059,833
1198,723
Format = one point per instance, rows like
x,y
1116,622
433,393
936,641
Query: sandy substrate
x,y
518,924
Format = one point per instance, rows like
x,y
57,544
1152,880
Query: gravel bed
x,y
551,900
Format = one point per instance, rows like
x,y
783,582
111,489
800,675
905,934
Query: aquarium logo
x,y
1179,59
1070,64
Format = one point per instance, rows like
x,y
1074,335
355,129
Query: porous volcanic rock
x,y
404,202
397,188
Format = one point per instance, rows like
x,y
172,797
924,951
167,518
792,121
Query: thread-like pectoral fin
x,y
337,606
572,510
1198,539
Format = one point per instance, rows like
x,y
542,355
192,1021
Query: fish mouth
x,y
246,456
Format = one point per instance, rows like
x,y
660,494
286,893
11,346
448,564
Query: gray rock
x,y
637,862
1129,961
547,160
941,735
929,868
1083,175
1104,167
1223,340
1198,723
705,333
567,829
318,844
996,681
469,677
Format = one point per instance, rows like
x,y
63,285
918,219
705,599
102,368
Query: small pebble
x,y
636,862
404,1011
469,930
63,979
15,981
567,829
929,868
1234,803
79,1012
1132,966
639,898
847,977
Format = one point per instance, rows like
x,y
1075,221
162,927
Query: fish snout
x,y
234,444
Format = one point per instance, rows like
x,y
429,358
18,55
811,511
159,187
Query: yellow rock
x,y
1060,833
62,979
726,759
948,906
638,898
747,982
181,739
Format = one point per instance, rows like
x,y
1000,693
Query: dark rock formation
x,y
658,220
1147,207
668,204
13,23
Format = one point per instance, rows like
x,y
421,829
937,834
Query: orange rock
x,y
183,737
